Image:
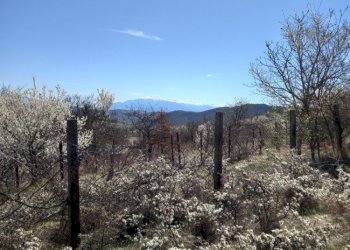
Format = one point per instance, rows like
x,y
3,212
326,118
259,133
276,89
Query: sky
x,y
195,51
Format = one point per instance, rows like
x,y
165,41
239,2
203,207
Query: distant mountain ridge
x,y
157,105
180,117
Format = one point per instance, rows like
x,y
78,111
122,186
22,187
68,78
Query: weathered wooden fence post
x,y
292,129
73,182
218,142
178,147
60,147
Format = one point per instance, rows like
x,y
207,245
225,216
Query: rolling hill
x,y
180,117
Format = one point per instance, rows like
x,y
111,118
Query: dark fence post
x,y
218,142
178,147
60,146
73,182
292,129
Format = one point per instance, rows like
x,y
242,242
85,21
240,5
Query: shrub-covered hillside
x,y
269,202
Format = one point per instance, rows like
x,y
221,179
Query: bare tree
x,y
162,132
237,132
144,121
308,65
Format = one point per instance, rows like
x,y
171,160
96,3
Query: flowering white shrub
x,y
204,130
32,123
160,206
24,240
277,203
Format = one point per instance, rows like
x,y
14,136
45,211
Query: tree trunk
x,y
33,165
330,133
149,151
17,174
292,129
277,132
314,140
112,162
341,154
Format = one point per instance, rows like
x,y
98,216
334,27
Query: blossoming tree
x,y
32,123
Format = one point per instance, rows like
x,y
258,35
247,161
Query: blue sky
x,y
197,51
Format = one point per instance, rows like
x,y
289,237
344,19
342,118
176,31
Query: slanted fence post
x,y
218,142
292,129
73,182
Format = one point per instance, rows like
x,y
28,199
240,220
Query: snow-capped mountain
x,y
157,105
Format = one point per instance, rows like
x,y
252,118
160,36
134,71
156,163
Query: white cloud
x,y
213,75
150,97
186,102
139,33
